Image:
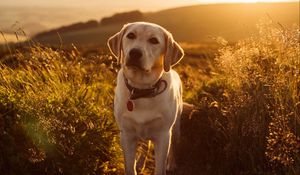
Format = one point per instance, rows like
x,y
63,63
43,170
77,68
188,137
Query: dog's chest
x,y
147,117
143,122
144,111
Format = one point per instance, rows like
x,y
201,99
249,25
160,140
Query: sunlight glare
x,y
243,1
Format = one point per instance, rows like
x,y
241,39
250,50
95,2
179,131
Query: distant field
x,y
11,38
83,38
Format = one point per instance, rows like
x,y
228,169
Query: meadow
x,y
56,108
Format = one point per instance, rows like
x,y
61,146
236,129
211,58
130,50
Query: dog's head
x,y
145,50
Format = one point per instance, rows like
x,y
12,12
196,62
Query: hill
x,y
196,24
70,28
123,18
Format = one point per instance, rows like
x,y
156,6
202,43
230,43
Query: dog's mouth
x,y
138,68
142,69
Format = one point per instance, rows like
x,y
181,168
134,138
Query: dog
x,y
148,95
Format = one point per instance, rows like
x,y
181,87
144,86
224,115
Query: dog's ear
x,y
115,43
173,53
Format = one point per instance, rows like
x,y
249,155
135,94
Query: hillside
x,y
199,23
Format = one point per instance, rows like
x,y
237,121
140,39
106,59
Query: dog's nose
x,y
135,54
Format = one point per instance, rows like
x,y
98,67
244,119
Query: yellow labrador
x,y
148,96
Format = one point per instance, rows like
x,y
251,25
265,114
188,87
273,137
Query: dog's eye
x,y
131,35
153,40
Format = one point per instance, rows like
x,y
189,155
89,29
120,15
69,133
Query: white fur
x,y
157,118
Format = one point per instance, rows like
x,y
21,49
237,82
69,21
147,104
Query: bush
x,y
56,114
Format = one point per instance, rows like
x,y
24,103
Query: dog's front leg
x,y
129,144
161,149
171,162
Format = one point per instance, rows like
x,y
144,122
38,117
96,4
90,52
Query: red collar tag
x,y
130,105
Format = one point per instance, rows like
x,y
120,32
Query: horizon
x,y
45,15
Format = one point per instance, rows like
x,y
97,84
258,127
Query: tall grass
x,y
262,79
56,114
248,118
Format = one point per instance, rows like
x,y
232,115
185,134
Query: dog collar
x,y
136,93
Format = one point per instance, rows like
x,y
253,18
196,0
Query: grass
x,y
56,109
261,76
56,114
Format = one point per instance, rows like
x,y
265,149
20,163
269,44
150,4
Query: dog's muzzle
x,y
134,59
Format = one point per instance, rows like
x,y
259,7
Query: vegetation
x,y
56,114
262,76
56,109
